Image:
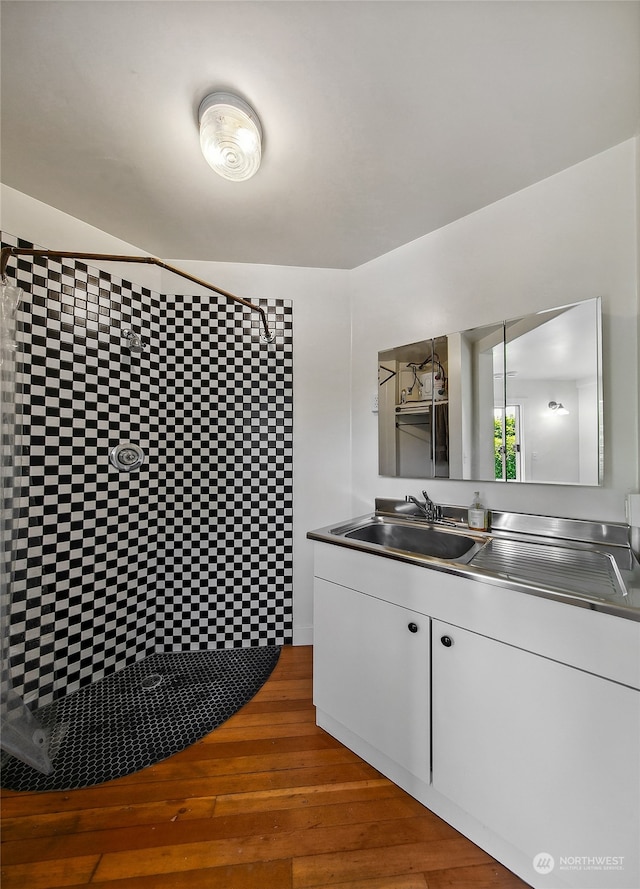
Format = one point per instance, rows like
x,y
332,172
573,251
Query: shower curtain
x,y
21,734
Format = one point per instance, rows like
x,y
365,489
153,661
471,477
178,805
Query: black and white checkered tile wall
x,y
192,551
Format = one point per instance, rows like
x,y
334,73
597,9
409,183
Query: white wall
x,y
321,411
571,237
50,229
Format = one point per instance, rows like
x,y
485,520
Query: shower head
x,y
133,341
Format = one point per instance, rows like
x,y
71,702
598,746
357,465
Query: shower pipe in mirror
x,y
7,252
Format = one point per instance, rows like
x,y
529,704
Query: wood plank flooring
x,y
266,801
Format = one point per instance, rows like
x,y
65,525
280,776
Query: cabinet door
x,y
543,754
371,672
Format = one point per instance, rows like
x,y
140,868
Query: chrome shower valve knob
x,y
126,457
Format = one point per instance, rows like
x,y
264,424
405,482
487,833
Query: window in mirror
x,y
507,443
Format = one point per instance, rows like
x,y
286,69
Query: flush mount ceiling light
x,y
558,407
230,136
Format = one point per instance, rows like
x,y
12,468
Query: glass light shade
x,y
230,136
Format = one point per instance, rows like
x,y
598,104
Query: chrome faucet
x,y
431,511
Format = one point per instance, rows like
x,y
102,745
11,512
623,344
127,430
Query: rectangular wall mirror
x,y
515,401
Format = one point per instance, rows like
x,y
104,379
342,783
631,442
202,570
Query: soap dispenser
x,y
477,514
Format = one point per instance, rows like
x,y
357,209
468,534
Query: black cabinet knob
x,y
447,641
413,628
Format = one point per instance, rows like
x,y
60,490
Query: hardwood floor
x,y
267,801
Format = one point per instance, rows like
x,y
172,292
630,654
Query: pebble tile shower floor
x,y
141,715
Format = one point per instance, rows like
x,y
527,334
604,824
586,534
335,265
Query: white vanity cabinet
x,y
522,730
545,755
371,676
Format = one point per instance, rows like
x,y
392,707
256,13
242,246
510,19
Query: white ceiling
x,y
383,120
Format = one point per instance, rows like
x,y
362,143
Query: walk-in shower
x,y
110,567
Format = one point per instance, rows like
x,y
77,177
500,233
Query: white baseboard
x,y
303,635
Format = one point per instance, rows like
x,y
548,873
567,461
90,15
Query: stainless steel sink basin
x,y
426,541
418,539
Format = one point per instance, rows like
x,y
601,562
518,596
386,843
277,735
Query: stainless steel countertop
x,y
581,563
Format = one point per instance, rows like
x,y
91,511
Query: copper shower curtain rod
x,y
7,252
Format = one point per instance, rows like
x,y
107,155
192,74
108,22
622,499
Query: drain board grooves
x,y
579,571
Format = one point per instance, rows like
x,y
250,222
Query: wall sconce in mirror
x,y
557,407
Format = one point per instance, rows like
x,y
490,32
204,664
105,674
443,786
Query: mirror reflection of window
x,y
507,444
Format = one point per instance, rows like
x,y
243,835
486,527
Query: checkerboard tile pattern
x,y
194,550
